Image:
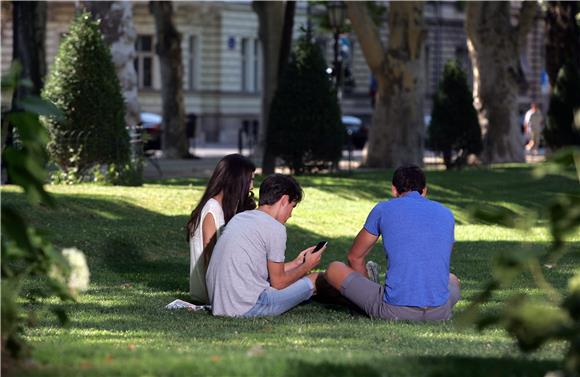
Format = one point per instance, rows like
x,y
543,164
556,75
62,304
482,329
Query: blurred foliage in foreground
x,y
25,253
534,323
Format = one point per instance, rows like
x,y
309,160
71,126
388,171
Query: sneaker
x,y
373,271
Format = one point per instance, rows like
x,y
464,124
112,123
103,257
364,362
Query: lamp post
x,y
336,16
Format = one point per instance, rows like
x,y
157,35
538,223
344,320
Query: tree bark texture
x,y
494,49
120,35
28,48
562,36
270,27
29,31
168,47
397,133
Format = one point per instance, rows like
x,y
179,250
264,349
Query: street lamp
x,y
336,16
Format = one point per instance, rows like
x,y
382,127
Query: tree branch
x,y
367,34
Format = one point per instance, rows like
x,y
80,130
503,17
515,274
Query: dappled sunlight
x,y
138,257
490,233
443,192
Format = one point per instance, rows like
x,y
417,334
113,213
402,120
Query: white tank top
x,y
197,288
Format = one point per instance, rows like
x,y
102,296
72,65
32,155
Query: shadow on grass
x,y
457,189
448,366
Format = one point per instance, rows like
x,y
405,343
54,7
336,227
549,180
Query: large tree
x,y
168,47
275,20
494,48
28,48
562,36
29,31
116,24
397,132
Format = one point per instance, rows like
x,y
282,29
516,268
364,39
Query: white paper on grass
x,y
180,304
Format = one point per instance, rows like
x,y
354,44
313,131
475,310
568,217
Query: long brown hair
x,y
232,176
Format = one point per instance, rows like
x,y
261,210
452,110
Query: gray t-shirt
x,y
238,269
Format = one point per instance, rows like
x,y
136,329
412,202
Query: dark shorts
x,y
369,296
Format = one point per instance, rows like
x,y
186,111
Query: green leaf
x,y
29,127
60,315
14,227
40,106
564,215
501,216
533,323
559,162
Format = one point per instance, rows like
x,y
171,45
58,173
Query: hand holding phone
x,y
319,246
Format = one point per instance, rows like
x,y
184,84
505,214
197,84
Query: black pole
x,y
336,62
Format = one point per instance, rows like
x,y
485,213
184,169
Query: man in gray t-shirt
x,y
247,275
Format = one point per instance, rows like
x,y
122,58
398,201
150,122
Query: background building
x,y
222,59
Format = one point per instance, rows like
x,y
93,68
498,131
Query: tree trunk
x,y
562,36
270,21
168,47
120,35
494,49
286,38
28,48
29,31
397,134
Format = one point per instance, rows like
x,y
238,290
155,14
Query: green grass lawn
x,y
134,241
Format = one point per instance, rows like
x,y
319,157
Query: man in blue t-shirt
x,y
417,239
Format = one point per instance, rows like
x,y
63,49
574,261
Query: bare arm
x,y
362,245
299,259
208,229
280,277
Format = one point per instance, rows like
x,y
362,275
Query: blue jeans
x,y
273,302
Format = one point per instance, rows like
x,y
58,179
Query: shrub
x,y
562,129
26,255
454,125
84,86
305,125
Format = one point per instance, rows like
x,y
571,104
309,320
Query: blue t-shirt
x,y
417,238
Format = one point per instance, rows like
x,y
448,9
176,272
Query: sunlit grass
x,y
134,241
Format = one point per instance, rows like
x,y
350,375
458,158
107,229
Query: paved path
x,y
156,167
210,154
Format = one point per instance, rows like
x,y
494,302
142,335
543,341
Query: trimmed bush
x,y
454,127
305,126
561,128
84,86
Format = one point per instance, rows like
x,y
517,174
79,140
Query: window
x,y
144,61
193,63
250,57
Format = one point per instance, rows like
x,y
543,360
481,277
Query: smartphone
x,y
319,246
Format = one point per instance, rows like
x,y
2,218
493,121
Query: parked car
x,y
151,129
356,131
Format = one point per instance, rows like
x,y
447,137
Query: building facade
x,y
222,59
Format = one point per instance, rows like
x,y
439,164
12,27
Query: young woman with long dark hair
x,y
229,191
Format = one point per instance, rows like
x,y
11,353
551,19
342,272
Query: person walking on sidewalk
x,y
533,126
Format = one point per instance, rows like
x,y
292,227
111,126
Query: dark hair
x,y
277,185
409,178
232,176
